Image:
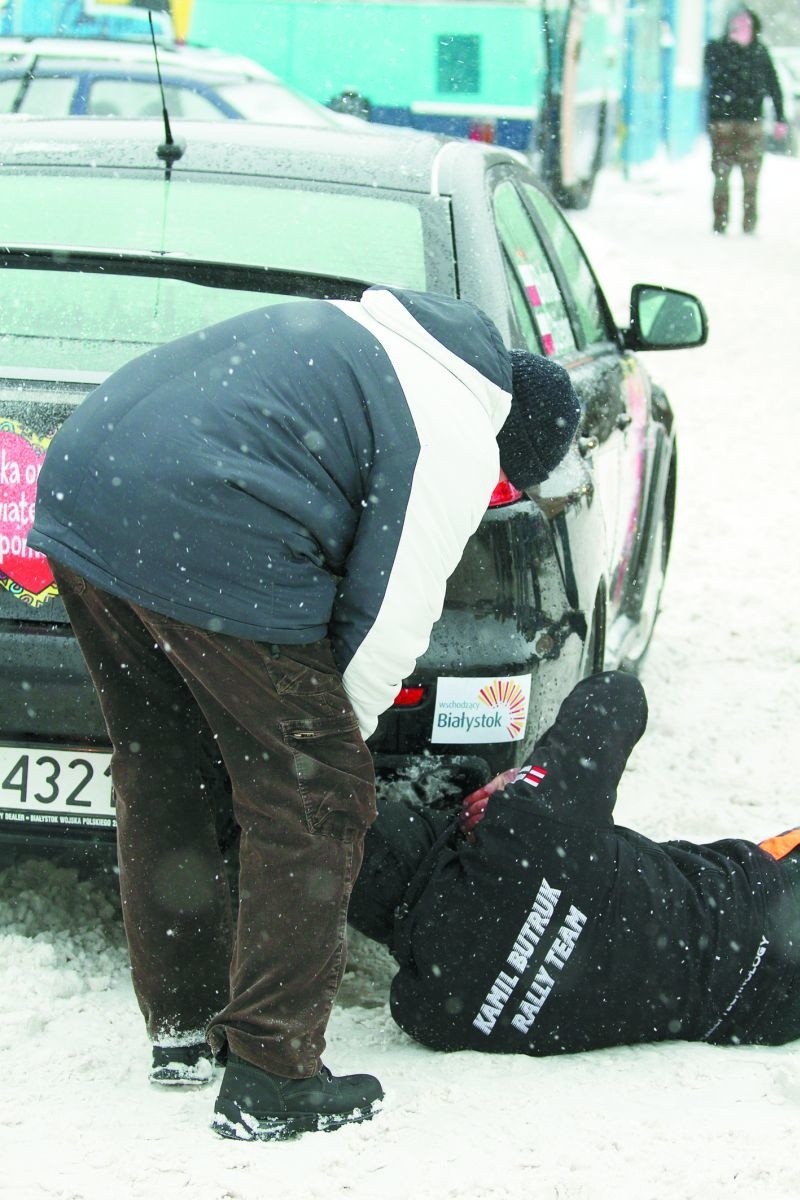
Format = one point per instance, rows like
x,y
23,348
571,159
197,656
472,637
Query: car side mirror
x,y
664,319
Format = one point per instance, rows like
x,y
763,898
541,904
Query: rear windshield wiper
x,y
240,277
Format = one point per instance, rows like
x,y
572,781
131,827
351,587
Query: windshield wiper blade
x,y
243,277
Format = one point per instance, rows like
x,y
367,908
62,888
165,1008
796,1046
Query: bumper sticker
x,y
24,572
489,709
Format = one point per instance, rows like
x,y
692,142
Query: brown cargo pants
x,y
736,144
303,795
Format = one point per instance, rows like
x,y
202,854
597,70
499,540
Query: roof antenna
x,y
169,151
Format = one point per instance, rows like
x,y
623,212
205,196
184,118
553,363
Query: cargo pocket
x,y
307,669
335,774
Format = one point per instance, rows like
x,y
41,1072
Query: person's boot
x,y
255,1105
182,1066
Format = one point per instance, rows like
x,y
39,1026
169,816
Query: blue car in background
x,y
61,77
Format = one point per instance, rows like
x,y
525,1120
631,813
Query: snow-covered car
x,y
60,77
112,245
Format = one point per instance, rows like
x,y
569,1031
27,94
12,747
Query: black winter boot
x,y
255,1105
182,1066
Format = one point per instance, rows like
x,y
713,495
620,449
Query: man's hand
x,y
780,130
474,805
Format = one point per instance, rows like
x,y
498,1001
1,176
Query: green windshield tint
x,y
97,322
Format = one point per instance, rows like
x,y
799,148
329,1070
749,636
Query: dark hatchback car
x,y
110,250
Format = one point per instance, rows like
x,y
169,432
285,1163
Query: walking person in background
x,y
251,529
531,923
740,75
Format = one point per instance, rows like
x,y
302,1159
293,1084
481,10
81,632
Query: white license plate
x,y
44,786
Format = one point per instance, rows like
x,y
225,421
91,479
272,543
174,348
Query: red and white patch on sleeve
x,y
531,775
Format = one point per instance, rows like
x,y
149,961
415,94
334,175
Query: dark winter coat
x,y
738,80
311,469
552,934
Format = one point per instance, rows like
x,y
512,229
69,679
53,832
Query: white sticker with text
x,y
481,710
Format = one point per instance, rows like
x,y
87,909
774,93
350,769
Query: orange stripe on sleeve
x,y
781,845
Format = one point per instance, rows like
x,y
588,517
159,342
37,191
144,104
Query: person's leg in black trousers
x,y
586,749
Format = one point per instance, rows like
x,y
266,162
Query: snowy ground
x,y
77,1118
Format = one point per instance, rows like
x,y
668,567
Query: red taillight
x,y
407,697
481,131
504,493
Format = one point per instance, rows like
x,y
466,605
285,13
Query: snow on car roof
x,y
236,148
193,58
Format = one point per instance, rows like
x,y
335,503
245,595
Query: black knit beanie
x,y
543,418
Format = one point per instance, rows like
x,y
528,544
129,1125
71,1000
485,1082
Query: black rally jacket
x,y
546,936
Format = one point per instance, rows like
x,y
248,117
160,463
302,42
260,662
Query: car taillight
x,y
407,697
481,131
504,493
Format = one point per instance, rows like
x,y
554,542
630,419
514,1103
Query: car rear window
x,y
139,98
96,322
262,100
66,321
9,90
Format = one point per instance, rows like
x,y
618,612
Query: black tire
x,y
576,197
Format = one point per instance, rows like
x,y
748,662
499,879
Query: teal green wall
x,y
323,47
389,52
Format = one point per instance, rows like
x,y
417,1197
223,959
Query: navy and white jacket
x,y
311,469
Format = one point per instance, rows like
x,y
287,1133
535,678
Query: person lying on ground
x,y
531,923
